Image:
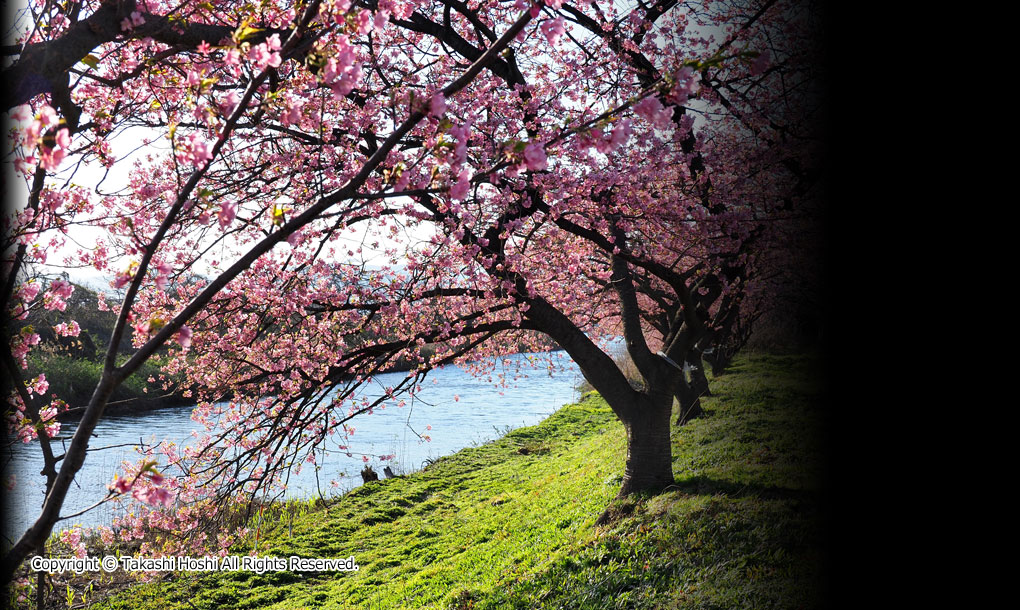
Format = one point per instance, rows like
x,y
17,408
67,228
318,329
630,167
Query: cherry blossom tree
x,y
529,171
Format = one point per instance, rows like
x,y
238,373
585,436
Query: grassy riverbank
x,y
510,524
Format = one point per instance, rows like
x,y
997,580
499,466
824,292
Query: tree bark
x,y
690,403
699,381
722,357
649,452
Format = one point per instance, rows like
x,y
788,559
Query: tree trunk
x,y
649,453
699,381
693,385
645,415
690,403
720,359
718,363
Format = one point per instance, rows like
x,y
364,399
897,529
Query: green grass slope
x,y
510,524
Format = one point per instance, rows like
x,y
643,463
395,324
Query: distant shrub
x,y
73,379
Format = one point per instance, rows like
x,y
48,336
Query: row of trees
x,y
530,171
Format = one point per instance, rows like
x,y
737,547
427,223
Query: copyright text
x,y
230,563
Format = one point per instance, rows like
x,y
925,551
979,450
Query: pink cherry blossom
x,y
227,213
68,329
229,102
652,110
553,29
262,58
184,337
685,86
153,495
381,18
534,157
460,188
620,134
437,105
195,150
41,385
364,21
28,291
51,158
120,485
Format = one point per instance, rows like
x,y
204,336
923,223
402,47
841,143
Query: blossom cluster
x,y
44,138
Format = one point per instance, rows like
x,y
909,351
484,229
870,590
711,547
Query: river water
x,y
461,409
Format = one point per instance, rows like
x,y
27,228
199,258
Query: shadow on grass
x,y
707,486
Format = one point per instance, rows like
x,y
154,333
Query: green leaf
x,y
246,32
